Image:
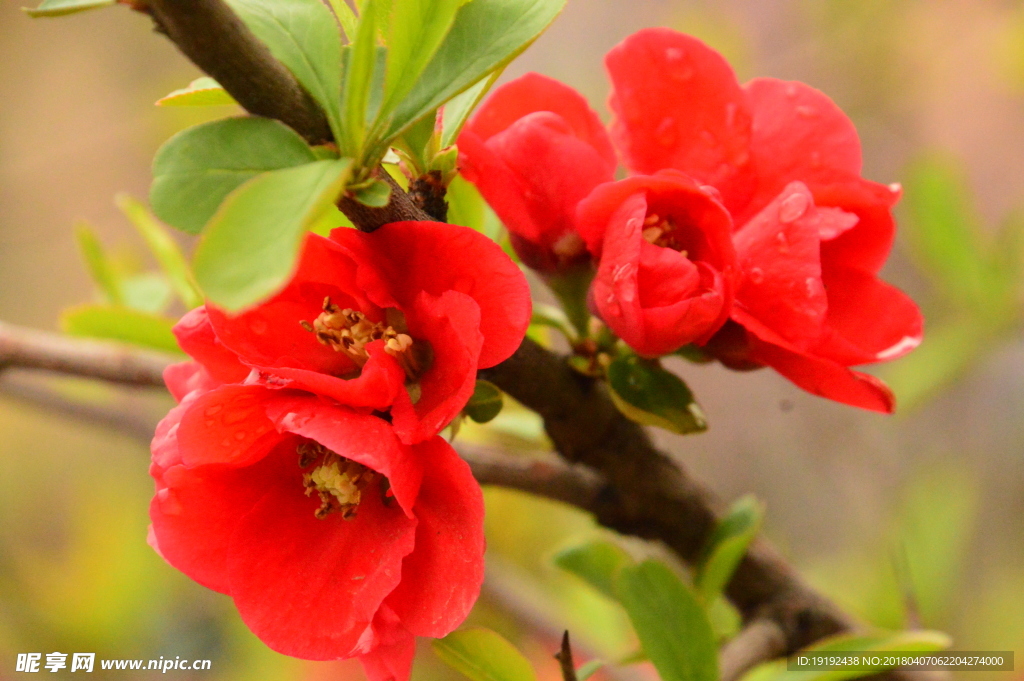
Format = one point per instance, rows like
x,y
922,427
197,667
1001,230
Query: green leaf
x,y
59,8
588,669
942,232
416,30
483,655
203,91
486,35
346,17
597,562
459,108
726,547
147,292
671,623
888,642
164,249
197,168
648,394
112,322
250,245
466,206
485,403
360,64
303,35
100,268
376,194
554,318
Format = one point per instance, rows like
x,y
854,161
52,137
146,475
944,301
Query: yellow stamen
x,y
339,482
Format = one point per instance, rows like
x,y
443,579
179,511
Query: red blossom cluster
x,y
744,226
302,472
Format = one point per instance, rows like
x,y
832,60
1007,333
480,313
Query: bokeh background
x,y
909,519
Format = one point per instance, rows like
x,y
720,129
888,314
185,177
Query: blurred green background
x,y
908,519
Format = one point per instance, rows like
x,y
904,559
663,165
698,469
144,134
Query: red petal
x,y
677,105
269,335
376,386
307,587
365,439
654,298
867,245
779,256
797,133
436,257
196,337
450,322
441,578
869,320
826,378
533,175
392,649
228,425
184,377
196,511
534,92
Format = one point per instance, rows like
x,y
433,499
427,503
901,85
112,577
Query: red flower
x,y
399,319
810,303
534,150
667,264
333,538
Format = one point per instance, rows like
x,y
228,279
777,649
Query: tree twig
x,y
31,349
564,657
760,640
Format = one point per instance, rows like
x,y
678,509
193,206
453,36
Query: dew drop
x,y
791,90
213,410
634,223
258,326
234,416
225,442
756,275
807,111
612,306
896,187
792,208
783,242
240,435
815,159
621,272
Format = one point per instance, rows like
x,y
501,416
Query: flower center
x,y
349,331
664,232
338,481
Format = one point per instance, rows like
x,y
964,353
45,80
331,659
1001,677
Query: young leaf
x,y
376,194
588,669
483,655
99,266
670,622
648,394
887,642
360,64
164,249
943,233
486,35
203,91
303,35
146,292
416,30
554,318
597,562
251,243
726,547
485,403
346,17
59,8
459,107
194,170
112,322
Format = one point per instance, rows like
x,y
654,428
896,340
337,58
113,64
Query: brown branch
x,y
649,496
31,349
216,40
758,641
401,207
564,657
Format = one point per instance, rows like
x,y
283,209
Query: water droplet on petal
x,y
793,207
225,442
240,435
612,306
813,287
783,242
634,223
815,159
258,326
756,275
896,187
791,90
807,111
213,410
